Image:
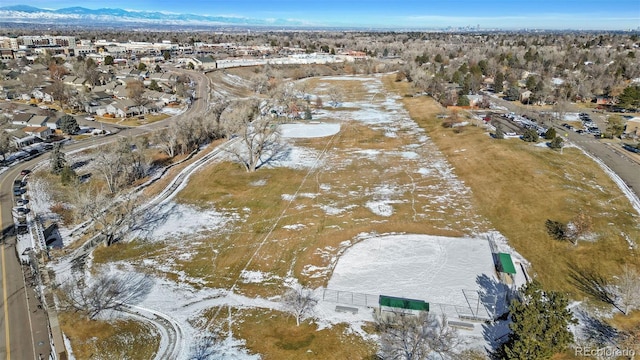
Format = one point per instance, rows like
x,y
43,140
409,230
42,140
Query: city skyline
x,y
545,14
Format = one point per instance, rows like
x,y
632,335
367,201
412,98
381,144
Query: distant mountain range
x,y
80,15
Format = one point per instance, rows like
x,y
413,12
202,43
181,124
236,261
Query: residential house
x,y
525,96
123,108
53,123
98,107
108,87
38,120
22,119
120,92
43,94
158,96
42,132
21,139
74,81
28,119
605,100
162,77
475,100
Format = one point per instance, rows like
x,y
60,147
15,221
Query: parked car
x,y
22,202
18,191
22,211
25,172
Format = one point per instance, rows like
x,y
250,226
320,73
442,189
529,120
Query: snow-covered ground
x,y
309,130
435,269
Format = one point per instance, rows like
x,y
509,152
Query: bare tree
x,y
258,138
596,286
135,92
167,140
112,218
60,93
628,288
120,165
579,226
106,291
204,347
300,302
406,336
335,96
29,81
5,141
109,166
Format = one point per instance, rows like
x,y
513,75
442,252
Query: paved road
x,y
23,321
612,154
23,326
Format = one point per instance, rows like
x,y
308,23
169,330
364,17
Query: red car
x,y
25,172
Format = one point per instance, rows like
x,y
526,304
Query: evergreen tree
x,y
530,135
531,83
57,159
154,86
539,325
463,101
67,175
550,134
142,66
108,60
556,143
512,94
630,96
69,124
498,82
307,114
499,132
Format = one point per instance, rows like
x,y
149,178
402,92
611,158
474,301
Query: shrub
x,y
530,135
556,143
556,229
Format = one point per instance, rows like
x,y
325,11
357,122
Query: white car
x,y
90,118
22,202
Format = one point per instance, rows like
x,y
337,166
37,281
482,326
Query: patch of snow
x,y
173,111
288,197
294,226
380,208
309,130
409,155
261,182
173,220
254,277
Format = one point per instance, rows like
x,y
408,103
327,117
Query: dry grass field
x,y
120,339
518,187
275,336
379,175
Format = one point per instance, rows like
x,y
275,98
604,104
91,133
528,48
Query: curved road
x,y
24,330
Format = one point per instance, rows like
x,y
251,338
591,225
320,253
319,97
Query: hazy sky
x,y
554,14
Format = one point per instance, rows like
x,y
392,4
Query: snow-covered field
x,y
309,130
432,268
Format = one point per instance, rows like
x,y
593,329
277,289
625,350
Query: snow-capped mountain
x,y
80,15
